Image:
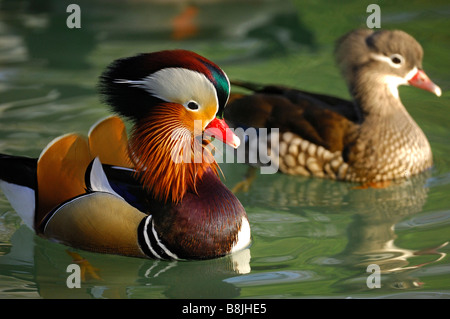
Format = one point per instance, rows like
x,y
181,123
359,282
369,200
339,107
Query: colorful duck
x,y
156,195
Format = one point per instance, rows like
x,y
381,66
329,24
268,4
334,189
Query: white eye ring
x,y
397,59
192,105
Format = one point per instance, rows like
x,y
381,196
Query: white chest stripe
x,y
148,240
160,244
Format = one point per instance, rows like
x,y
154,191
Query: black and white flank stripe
x,y
150,243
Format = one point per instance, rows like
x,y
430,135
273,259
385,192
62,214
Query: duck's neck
x,y
388,131
168,158
377,96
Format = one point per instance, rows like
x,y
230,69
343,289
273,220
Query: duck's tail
x,y
34,187
18,182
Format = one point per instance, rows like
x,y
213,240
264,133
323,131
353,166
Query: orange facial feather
x,y
168,156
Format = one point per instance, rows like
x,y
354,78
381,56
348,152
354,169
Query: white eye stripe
x,y
411,73
394,81
388,60
178,85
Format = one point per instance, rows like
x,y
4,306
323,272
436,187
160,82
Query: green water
x,y
311,238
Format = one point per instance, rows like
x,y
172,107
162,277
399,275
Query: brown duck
x,y
371,139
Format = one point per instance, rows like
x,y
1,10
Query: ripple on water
x,y
431,219
273,277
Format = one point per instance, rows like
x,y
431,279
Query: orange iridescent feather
x,y
62,165
108,141
60,172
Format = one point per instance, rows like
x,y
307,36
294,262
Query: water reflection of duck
x,y
372,233
374,216
38,269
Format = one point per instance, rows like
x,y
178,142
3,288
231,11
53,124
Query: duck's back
x,y
314,130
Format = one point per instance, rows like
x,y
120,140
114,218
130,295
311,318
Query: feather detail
x,y
108,140
169,158
60,172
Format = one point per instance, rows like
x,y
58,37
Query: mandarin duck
x,y
156,194
371,139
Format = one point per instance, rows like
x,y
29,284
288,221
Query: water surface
x,y
311,237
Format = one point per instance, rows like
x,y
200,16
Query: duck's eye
x,y
192,105
396,59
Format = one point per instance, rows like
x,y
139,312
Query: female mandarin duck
x,y
157,195
371,139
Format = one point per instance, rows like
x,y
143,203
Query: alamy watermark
x,y
74,279
74,19
258,147
374,279
374,19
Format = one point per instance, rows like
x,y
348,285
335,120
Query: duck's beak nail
x,y
422,81
219,129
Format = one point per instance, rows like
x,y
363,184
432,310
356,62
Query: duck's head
x,y
172,97
393,58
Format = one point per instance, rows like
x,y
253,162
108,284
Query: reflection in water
x,y
374,215
372,233
185,25
45,36
258,29
34,262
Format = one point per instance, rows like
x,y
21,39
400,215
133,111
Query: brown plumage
x,y
370,139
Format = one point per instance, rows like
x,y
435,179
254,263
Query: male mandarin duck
x,y
156,195
372,139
